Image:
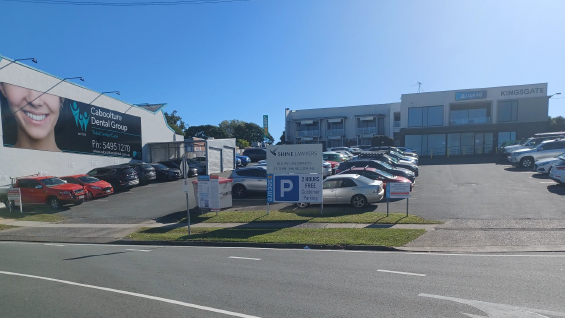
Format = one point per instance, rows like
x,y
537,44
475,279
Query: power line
x,y
124,4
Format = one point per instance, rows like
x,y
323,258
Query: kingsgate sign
x,y
523,91
296,159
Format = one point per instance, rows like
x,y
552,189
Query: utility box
x,y
213,193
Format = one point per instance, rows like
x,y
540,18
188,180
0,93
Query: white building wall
x,y
16,162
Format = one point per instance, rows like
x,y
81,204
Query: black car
x,y
380,156
120,177
256,154
192,169
378,165
145,171
165,173
394,149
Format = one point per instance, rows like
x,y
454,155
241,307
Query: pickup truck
x,y
49,190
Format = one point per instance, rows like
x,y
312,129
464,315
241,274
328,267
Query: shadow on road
x,y
557,189
95,255
540,176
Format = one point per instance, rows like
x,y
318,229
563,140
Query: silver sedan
x,y
351,189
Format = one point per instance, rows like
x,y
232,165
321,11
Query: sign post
x,y
14,194
186,189
398,190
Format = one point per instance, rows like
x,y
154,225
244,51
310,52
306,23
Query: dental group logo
x,y
81,120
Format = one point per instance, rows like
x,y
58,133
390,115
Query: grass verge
x,y
312,216
39,216
386,237
6,227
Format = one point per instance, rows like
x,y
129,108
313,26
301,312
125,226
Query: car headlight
x,y
97,188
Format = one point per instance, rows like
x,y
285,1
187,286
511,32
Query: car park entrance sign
x,y
298,159
397,190
14,195
303,188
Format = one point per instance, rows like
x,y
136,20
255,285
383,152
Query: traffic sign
x,y
297,159
396,190
304,188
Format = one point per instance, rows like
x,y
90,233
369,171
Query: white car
x,y
346,153
351,189
544,165
557,172
525,158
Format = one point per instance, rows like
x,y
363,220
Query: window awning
x,y
368,118
335,120
306,122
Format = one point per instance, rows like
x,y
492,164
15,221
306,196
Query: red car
x,y
334,165
49,190
93,187
376,174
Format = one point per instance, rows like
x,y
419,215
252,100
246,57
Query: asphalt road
x,y
62,280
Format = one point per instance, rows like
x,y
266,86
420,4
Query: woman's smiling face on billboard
x,y
35,114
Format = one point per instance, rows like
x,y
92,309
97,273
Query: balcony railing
x,y
335,132
396,123
470,121
367,130
307,133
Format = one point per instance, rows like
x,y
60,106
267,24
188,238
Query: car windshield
x,y
126,171
87,179
365,180
386,165
525,142
384,173
160,167
146,166
50,182
393,159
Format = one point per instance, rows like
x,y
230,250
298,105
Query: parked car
x,y
544,165
145,172
201,159
401,152
390,160
346,153
378,165
326,169
194,168
351,189
334,149
557,172
334,164
120,177
334,156
165,173
255,154
93,187
363,147
49,190
376,174
404,149
508,144
533,142
245,160
355,151
526,158
249,179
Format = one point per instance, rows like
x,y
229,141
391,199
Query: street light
x,y
33,59
550,96
61,81
103,93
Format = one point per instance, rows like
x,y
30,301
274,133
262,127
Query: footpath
x,y
454,236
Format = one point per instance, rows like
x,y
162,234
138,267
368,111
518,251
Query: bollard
x,y
447,152
432,154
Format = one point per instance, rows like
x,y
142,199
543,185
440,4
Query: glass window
x,y
86,179
435,116
50,182
32,183
331,184
436,144
454,144
508,111
415,117
347,183
504,136
414,142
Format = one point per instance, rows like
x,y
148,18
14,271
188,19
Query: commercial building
x,y
52,126
457,122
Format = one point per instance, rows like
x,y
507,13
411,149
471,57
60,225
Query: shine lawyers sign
x,y
294,159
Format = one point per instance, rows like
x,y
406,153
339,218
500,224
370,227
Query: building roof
x,y
151,107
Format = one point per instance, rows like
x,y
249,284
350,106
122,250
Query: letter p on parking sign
x,y
287,188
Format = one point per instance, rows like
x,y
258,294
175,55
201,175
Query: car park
x,y
145,171
49,190
165,173
351,189
378,165
544,165
532,142
255,154
557,172
526,158
93,187
334,156
120,177
376,174
400,152
390,160
249,179
194,168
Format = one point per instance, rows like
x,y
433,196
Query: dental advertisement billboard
x,y
41,121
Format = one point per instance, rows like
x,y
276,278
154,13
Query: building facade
x,y
458,122
51,126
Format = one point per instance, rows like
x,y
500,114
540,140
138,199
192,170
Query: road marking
x,y
547,182
134,250
499,310
403,273
253,259
118,291
51,244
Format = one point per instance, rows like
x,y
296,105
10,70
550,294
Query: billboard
x,y
298,159
35,120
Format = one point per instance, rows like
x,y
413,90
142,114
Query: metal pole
x,y
407,200
185,168
188,214
322,207
387,207
268,207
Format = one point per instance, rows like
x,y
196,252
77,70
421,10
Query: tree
x,y
283,139
175,122
205,131
556,123
270,138
242,143
229,126
249,131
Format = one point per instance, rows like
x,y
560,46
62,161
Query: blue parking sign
x,y
287,188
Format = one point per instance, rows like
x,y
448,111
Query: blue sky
x,y
242,60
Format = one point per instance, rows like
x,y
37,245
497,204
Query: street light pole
x,y
61,81
550,96
117,93
33,59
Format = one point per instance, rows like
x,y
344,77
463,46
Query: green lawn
x,y
6,227
386,237
308,215
40,215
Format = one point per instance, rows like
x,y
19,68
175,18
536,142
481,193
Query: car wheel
x,y
549,171
526,162
358,201
54,203
89,195
302,205
239,191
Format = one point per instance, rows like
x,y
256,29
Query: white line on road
x,y
403,273
51,244
134,250
253,259
547,182
117,291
